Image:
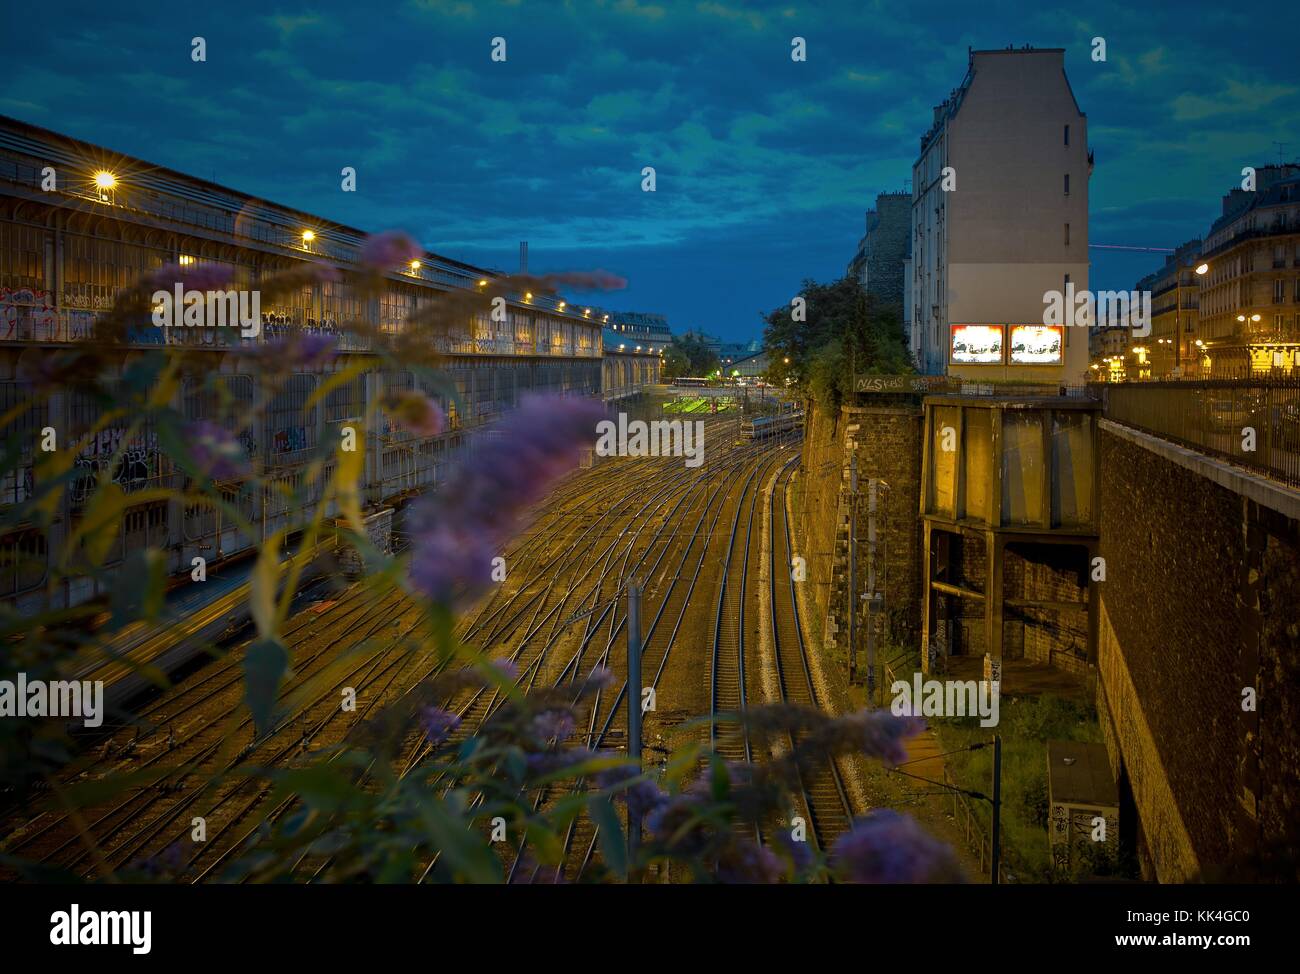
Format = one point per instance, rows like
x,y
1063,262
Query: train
x,y
763,427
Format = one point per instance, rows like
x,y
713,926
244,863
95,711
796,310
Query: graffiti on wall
x,y
132,463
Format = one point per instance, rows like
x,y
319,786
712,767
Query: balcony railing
x,y
1251,422
41,325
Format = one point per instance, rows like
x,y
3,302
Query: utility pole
x,y
995,855
633,707
872,596
853,566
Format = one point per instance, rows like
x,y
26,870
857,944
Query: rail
x,y
977,838
1251,422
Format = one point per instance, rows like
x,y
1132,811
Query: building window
x,y
1067,184
1067,135
1067,235
1279,291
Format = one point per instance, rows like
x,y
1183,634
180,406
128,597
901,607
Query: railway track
x,y
826,803
364,641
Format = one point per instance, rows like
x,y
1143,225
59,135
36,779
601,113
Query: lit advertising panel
x,y
1037,344
977,344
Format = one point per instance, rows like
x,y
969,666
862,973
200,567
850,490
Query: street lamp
x,y
105,183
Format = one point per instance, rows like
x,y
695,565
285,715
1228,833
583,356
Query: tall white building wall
x,y
986,251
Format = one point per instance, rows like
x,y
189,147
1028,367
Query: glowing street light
x,y
308,236
482,283
1202,268
105,180
415,266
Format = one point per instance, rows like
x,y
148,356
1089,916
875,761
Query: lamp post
x,y
1200,270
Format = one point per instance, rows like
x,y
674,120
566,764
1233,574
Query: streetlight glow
x,y
105,179
1202,268
308,236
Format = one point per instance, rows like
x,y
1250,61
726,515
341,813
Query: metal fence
x,y
1252,422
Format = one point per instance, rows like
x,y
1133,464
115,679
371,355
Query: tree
x,y
689,355
846,331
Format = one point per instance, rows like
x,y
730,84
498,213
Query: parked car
x,y
1284,426
1227,414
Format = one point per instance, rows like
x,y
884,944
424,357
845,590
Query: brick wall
x,y
886,441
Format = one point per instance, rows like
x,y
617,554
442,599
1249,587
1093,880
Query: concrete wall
x,y
1199,602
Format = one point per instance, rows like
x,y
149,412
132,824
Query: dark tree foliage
x,y
847,331
689,355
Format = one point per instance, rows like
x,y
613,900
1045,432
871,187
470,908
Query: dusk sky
x,y
764,165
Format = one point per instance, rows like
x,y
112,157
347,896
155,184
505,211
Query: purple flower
x,y
745,862
324,273
600,678
458,531
302,351
887,847
438,724
553,724
416,412
645,798
387,250
799,853
882,734
508,669
195,277
587,280
540,763
215,451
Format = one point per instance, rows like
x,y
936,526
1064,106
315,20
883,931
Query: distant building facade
x,y
1249,315
999,217
1175,302
877,264
641,327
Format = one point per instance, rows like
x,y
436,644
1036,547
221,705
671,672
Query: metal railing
x,y
1251,422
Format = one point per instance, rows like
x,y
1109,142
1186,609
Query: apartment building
x,y
1249,314
999,218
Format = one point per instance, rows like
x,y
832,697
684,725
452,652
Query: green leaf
x,y
265,664
264,581
102,521
613,845
138,591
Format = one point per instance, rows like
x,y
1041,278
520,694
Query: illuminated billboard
x,y
1037,344
977,344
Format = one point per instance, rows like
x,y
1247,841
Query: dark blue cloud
x,y
764,166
